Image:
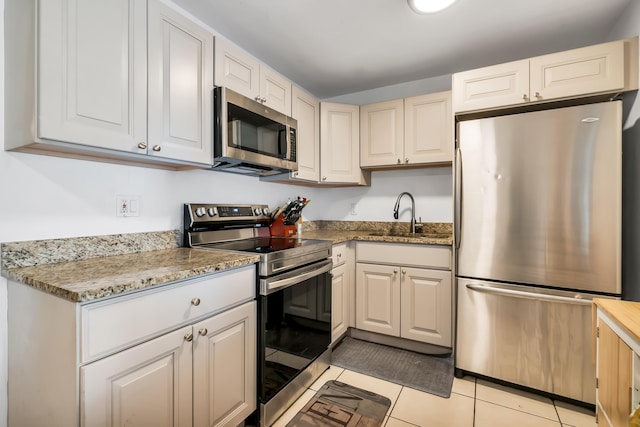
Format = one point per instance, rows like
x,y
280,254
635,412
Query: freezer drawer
x,y
525,335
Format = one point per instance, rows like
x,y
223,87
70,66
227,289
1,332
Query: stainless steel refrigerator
x,y
537,235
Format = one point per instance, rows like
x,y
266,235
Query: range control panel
x,y
199,213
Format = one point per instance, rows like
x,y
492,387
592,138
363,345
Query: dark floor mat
x,y
340,405
432,374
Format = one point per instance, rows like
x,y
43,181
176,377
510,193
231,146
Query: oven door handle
x,y
285,280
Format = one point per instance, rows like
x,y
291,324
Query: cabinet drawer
x,y
339,254
409,255
121,322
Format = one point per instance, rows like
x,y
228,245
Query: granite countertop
x,y
89,268
91,279
85,269
343,231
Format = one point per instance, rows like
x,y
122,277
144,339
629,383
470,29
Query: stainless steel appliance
x,y
250,138
294,297
538,234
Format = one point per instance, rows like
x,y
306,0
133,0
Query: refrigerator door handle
x,y
529,295
458,198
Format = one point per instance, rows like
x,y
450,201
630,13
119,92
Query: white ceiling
x,y
335,47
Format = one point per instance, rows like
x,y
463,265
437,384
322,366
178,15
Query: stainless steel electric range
x,y
294,297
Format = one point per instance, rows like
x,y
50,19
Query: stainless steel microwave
x,y
251,138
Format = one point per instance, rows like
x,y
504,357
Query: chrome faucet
x,y
413,210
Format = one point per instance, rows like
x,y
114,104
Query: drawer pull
x,y
188,337
203,332
195,301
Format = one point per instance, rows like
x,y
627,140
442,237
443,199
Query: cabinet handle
x,y
324,178
142,145
257,98
203,332
188,337
525,97
404,271
339,255
195,301
406,161
263,100
538,95
395,271
157,148
399,161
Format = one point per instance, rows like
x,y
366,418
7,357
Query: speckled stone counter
x,y
91,270
434,233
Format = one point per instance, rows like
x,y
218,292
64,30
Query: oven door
x,y
294,311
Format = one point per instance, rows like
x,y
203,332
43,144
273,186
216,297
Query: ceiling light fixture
x,y
429,6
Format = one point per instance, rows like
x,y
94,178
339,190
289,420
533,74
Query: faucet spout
x,y
396,208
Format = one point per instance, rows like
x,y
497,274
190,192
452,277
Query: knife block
x,y
277,228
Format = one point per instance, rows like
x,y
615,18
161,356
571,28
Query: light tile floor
x,y
473,403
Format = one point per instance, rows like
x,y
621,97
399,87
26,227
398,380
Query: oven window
x,y
295,328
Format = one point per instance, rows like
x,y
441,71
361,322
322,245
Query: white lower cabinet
x,y
341,290
224,367
395,297
182,354
147,385
151,384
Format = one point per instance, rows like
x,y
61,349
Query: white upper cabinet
x,y
92,82
428,129
382,133
180,86
242,73
603,68
592,69
306,110
411,131
503,84
120,81
340,144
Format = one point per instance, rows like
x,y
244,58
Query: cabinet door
x,y
339,143
378,298
180,86
340,284
275,90
382,134
495,86
224,367
428,128
306,110
615,374
587,70
147,385
236,70
426,305
92,74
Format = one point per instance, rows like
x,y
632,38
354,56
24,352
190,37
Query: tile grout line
x,y
475,397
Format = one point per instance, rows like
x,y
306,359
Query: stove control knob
x,y
257,211
212,212
200,212
265,211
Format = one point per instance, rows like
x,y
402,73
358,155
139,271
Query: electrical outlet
x,y
354,210
127,206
